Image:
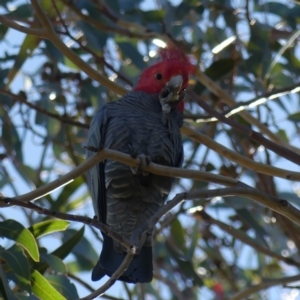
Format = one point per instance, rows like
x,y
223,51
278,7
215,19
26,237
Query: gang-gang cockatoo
x,y
145,122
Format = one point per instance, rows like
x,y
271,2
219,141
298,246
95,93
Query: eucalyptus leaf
x,y
15,231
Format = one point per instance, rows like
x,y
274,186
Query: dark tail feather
x,y
139,270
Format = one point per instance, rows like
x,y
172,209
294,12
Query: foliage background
x,y
249,48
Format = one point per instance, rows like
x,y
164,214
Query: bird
x,y
143,123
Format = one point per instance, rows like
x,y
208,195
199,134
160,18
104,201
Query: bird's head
x,y
168,78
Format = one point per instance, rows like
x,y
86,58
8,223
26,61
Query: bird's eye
x,y
158,76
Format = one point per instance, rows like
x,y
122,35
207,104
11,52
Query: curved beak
x,y
172,93
175,84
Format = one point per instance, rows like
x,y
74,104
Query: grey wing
x,y
180,159
96,175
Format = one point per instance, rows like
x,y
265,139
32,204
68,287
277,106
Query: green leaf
x,y
13,230
131,52
217,70
5,290
47,227
85,254
295,117
220,68
195,238
28,174
54,263
282,135
43,289
30,43
11,139
64,286
260,232
68,246
153,15
95,38
178,235
3,31
50,9
19,264
185,267
53,127
22,11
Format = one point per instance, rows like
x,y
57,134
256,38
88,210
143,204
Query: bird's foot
x,y
144,162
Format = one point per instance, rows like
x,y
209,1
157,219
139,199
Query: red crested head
x,y
173,63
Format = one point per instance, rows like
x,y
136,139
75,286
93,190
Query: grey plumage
x,y
134,124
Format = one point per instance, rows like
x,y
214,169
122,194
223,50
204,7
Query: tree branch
x,y
215,89
255,136
7,202
266,283
243,237
54,38
281,206
127,160
238,158
117,30
12,24
242,105
20,99
111,281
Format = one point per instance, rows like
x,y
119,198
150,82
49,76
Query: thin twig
x,y
281,206
12,24
202,215
255,136
96,56
54,38
111,281
7,202
238,158
266,283
20,99
214,88
82,282
117,30
243,105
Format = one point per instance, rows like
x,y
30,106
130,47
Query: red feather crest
x,y
175,53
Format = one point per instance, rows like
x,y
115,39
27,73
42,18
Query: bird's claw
x,y
144,162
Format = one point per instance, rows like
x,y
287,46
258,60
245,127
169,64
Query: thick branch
x,y
281,206
197,136
128,160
